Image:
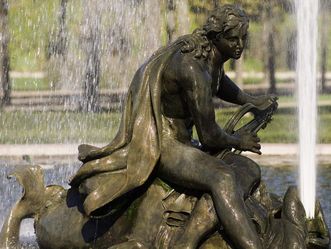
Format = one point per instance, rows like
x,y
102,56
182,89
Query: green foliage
x,y
71,127
278,130
57,127
328,66
253,81
29,84
252,64
30,22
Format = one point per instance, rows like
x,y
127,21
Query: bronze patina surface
x,y
154,186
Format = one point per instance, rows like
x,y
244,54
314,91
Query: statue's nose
x,y
241,44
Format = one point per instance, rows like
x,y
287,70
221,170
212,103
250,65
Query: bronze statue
x,y
180,190
169,94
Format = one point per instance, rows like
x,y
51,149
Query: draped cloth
x,y
138,138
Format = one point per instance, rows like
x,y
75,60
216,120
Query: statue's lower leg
x,y
202,222
232,214
190,168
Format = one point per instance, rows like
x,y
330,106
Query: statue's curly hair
x,y
221,20
224,19
198,44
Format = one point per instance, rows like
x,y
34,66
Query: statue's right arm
x,y
197,92
196,87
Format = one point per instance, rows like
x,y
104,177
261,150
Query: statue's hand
x,y
248,141
264,100
86,152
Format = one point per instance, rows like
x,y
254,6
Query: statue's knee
x,y
224,177
243,165
254,169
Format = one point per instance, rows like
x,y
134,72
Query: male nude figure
x,y
175,88
189,84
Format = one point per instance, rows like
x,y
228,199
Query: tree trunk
x,y
271,64
90,102
4,54
216,3
92,75
183,17
62,35
270,51
324,46
171,19
58,43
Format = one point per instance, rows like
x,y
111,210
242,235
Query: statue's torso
x,y
174,105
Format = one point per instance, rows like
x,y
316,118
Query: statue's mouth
x,y
238,52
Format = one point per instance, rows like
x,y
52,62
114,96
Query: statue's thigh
x,y
247,172
189,167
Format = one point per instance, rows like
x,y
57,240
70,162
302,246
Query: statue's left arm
x,y
230,92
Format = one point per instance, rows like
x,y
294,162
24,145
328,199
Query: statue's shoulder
x,y
189,52
196,44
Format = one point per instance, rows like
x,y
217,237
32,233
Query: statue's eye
x,y
232,39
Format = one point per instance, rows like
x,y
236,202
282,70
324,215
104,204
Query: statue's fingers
x,y
244,129
273,98
256,139
257,146
255,136
257,151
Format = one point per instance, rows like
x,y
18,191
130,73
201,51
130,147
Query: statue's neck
x,y
217,58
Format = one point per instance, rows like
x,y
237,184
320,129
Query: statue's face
x,y
232,43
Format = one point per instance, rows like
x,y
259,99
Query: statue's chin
x,y
237,56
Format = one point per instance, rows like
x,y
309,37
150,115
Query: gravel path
x,y
71,149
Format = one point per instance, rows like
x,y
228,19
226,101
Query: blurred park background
x,y
65,64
